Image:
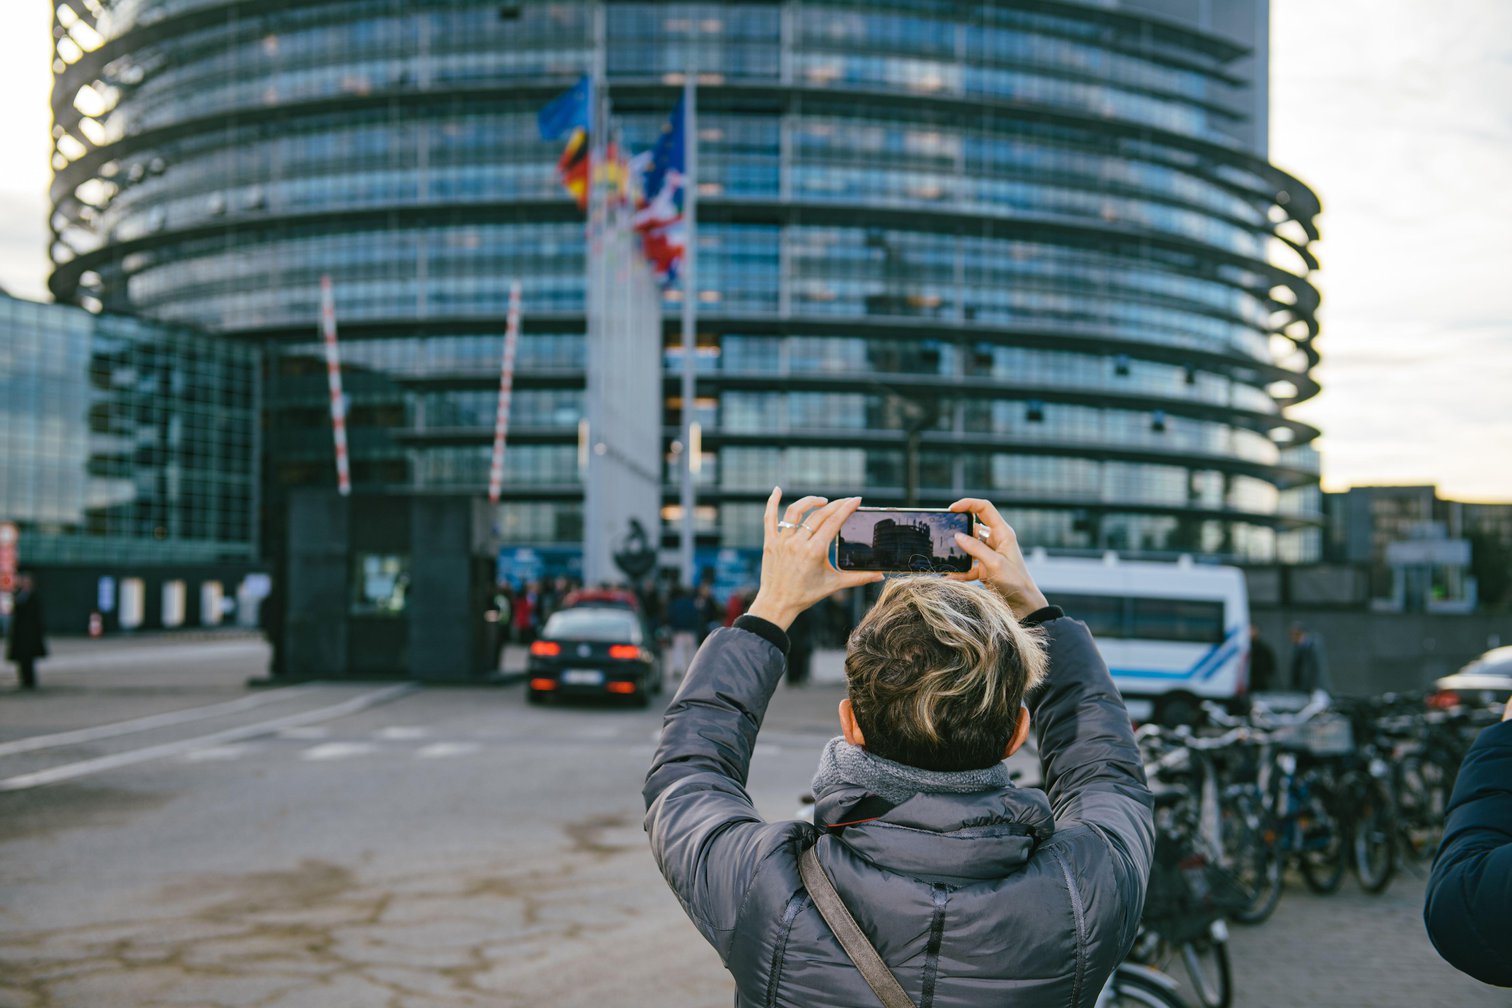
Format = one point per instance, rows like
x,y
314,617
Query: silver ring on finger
x,y
787,525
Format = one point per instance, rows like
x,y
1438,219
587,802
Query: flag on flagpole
x,y
660,180
570,114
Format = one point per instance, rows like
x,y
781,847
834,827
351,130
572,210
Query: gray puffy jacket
x,y
1013,896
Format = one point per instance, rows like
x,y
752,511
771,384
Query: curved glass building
x,y
1032,251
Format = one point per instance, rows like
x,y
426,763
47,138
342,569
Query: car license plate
x,y
583,677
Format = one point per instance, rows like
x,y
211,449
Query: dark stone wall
x,y
1379,652
440,634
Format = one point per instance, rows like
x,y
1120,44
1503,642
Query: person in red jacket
x,y
524,613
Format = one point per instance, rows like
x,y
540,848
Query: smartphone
x,y
917,540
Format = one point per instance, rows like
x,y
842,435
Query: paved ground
x,y
348,845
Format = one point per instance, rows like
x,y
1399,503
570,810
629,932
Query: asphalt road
x,y
170,837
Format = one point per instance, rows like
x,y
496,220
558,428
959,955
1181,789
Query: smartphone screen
x,y
920,540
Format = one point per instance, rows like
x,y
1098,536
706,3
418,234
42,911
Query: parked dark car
x,y
594,651
1485,680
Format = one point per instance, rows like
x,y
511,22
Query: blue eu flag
x,y
568,111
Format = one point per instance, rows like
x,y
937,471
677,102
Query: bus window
x,y
1103,614
1185,620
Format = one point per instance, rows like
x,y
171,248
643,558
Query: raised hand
x,y
795,567
998,562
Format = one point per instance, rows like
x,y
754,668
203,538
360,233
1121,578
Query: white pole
x,y
689,323
333,382
595,337
506,383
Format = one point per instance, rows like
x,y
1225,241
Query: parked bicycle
x,y
1191,891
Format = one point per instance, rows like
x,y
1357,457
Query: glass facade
x,y
123,440
944,249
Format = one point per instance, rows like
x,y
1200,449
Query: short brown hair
x,y
937,671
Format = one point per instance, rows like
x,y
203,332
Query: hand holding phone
x,y
999,565
795,566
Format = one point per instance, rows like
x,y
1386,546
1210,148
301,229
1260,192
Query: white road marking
x,y
403,733
70,771
173,654
148,723
312,732
441,750
218,754
337,750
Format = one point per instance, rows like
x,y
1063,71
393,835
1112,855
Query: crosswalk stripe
x,y
148,723
69,771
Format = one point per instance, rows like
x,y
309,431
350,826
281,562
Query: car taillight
x,y
627,652
620,687
1443,700
545,648
543,684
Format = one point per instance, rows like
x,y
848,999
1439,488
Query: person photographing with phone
x,y
927,877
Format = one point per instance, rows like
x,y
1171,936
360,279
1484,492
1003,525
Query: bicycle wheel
x,y
1249,851
1323,854
1422,795
1133,986
1207,965
1372,832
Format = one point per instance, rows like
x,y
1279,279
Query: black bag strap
x,y
832,908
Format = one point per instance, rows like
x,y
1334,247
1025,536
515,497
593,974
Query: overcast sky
x,y
1397,112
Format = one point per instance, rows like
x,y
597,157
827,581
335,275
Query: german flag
x,y
572,167
569,114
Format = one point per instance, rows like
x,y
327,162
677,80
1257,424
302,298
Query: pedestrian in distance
x,y
1309,672
800,656
28,640
523,612
502,607
1262,663
686,623
1468,909
710,617
965,889
735,605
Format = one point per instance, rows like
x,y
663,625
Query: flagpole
x,y
595,341
690,430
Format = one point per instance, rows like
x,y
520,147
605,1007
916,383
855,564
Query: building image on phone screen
x,y
901,544
916,543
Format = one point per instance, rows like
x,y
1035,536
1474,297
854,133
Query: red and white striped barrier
x,y
333,380
506,382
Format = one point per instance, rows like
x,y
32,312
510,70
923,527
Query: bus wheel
x,y
1178,709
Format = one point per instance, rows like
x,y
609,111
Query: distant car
x,y
1484,681
617,598
594,651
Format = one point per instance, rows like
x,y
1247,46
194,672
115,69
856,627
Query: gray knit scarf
x,y
843,764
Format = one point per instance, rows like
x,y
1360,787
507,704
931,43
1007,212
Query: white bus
x,y
1173,634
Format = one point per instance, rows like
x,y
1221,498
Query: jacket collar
x,y
956,838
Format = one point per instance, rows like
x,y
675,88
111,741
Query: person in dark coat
x,y
1468,909
27,639
1309,673
800,655
973,891
709,616
1262,663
